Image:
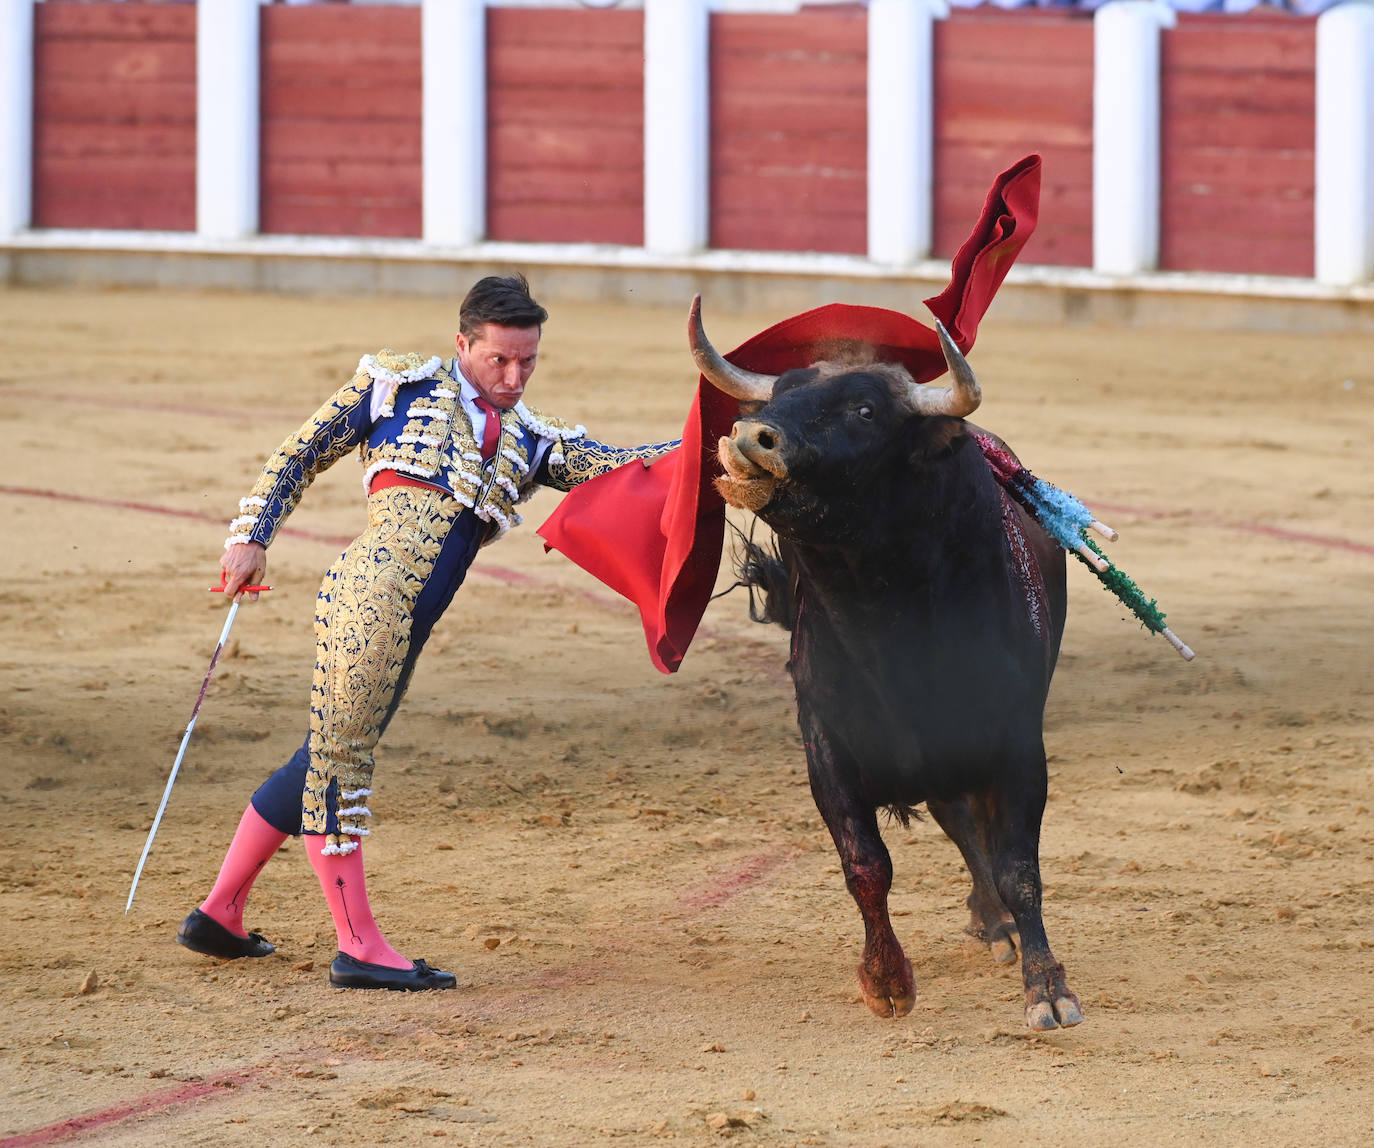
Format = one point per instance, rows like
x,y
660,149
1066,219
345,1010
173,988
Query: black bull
x,y
926,610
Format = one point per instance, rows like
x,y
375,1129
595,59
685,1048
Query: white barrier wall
x,y
901,37
16,115
1345,146
1126,135
227,120
454,119
901,118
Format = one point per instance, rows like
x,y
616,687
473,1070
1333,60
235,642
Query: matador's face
x,y
499,361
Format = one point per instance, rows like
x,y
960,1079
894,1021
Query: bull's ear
x,y
936,437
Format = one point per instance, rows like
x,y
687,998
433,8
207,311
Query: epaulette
x,y
392,368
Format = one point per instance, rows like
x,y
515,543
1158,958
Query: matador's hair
x,y
503,300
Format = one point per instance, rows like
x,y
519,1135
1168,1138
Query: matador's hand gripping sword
x,y
185,739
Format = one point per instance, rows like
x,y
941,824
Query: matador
x,y
449,450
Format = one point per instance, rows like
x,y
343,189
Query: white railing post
x,y
16,115
901,132
1344,208
227,120
1126,135
676,126
454,122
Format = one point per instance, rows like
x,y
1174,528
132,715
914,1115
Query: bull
x,y
926,610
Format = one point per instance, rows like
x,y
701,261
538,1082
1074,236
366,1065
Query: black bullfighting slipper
x,y
350,973
203,934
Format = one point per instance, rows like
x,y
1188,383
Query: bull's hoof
x,y
891,996
1001,938
1065,1012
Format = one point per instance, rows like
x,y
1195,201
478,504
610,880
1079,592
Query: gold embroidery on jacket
x,y
583,460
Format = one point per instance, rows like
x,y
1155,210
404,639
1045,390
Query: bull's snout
x,y
762,444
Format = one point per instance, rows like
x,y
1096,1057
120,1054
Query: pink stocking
x,y
254,845
341,878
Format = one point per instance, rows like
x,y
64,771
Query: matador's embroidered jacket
x,y
403,413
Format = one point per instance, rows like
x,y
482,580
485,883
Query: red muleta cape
x,y
655,533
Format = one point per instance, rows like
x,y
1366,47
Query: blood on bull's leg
x,y
1009,817
989,920
885,976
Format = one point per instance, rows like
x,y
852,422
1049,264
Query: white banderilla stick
x,y
185,739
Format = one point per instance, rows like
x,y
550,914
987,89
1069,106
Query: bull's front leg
x,y
1008,816
885,976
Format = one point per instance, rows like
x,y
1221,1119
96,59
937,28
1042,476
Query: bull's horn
x,y
960,399
747,386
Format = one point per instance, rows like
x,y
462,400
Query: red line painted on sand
x,y
246,415
1327,541
500,573
751,871
153,1102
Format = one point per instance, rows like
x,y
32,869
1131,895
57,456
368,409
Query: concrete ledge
x,y
735,279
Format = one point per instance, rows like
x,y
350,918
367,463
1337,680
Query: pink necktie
x,y
491,433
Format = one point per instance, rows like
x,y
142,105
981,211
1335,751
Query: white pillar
x,y
1345,145
1126,135
227,119
901,130
677,109
16,115
454,122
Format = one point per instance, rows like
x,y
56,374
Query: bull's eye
x,y
864,412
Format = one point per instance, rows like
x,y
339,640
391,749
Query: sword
x,y
185,739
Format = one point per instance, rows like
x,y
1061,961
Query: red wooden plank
x,y
764,230
148,212
540,67
69,140
1044,40
355,176
382,142
765,35
338,103
564,223
561,110
115,61
788,131
115,21
341,62
325,216
101,102
514,149
1237,167
567,28
1233,253
1008,83
786,113
346,24
565,148
1257,43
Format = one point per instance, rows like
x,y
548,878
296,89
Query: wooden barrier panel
x,y
115,116
1008,83
789,130
341,98
565,124
1237,143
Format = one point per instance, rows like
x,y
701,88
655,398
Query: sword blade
x,y
185,740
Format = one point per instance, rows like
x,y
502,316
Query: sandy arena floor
x,y
625,870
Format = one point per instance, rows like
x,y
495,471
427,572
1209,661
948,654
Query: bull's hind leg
x,y
1007,816
885,976
989,920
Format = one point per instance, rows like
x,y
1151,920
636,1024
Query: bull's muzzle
x,y
759,445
